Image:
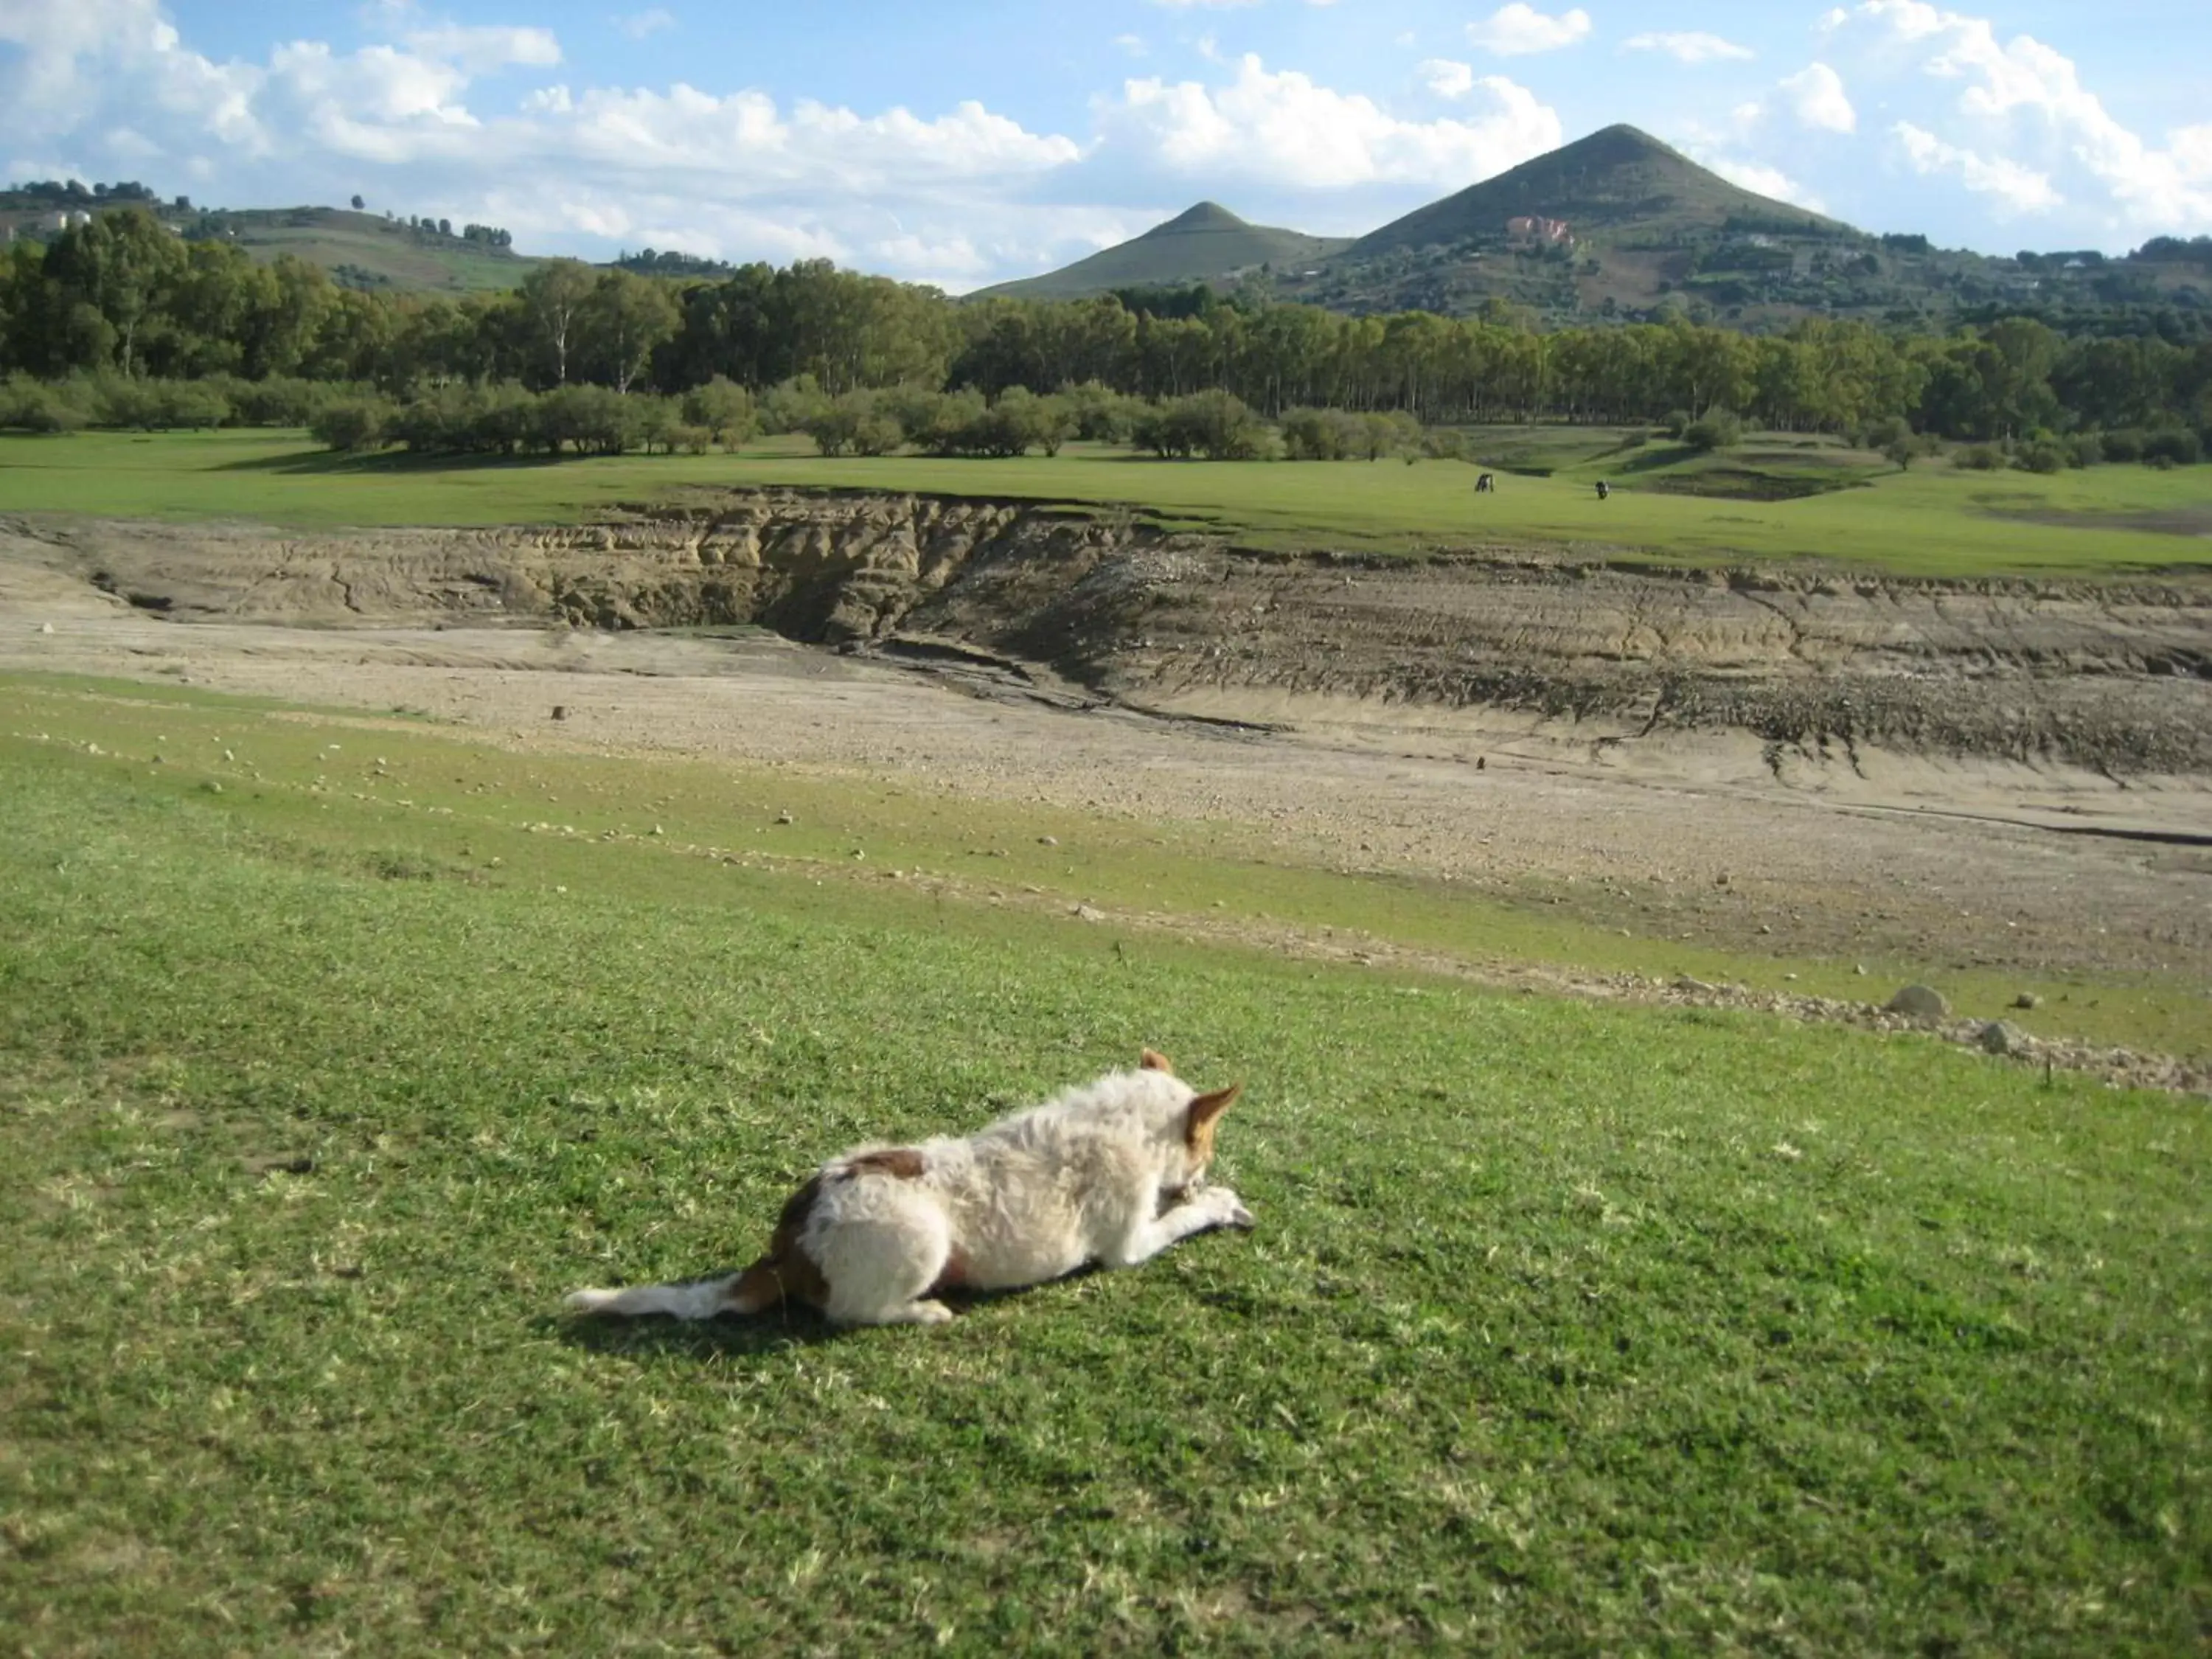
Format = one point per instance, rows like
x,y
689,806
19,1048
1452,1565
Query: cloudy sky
x,y
964,141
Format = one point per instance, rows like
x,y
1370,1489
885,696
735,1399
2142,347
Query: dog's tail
x,y
756,1290
787,1273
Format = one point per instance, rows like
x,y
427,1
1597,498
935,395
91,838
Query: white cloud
x,y
1287,130
2021,190
2021,95
1817,98
102,87
1446,78
1518,29
56,81
481,49
2192,151
641,25
1692,47
1766,181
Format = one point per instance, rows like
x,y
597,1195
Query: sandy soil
x,y
1696,839
1710,833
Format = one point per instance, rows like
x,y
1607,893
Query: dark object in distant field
x,y
560,711
1604,490
1485,485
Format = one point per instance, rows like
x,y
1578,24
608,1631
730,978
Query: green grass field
x,y
1564,1329
1931,521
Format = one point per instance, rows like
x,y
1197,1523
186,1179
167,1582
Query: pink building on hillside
x,y
1543,230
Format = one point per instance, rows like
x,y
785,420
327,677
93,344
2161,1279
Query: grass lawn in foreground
x,y
1931,521
1564,1328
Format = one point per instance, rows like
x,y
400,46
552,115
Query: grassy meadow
x,y
332,1053
333,237
1931,521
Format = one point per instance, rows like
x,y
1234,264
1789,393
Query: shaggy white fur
x,y
1111,1172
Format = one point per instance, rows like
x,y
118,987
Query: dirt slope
x,y
2117,680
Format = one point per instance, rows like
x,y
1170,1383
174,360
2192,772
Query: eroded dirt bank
x,y
1683,826
2113,678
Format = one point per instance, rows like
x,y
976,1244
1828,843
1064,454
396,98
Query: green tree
x,y
123,265
621,322
554,297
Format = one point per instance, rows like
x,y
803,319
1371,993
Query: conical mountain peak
x,y
1206,215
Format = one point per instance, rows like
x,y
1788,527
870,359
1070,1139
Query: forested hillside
x,y
1618,227
358,249
1206,244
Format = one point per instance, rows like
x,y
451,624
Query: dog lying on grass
x,y
1112,1172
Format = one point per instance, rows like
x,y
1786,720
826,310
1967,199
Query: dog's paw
x,y
1224,1208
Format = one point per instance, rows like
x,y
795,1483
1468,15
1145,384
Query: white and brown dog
x,y
1112,1173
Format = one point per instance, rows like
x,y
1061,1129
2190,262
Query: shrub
x,y
1675,422
125,403
1980,457
187,404
2083,449
1052,423
1214,424
2125,445
1901,452
436,423
352,424
853,424
788,405
2045,457
946,424
1101,414
1444,443
1721,429
724,408
158,406
1004,429
2175,446
1390,433
1319,435
502,420
655,420
279,400
692,439
1886,433
595,419
28,405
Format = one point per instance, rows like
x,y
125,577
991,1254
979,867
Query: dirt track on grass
x,y
1990,776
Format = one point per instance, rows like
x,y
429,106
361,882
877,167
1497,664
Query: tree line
x,y
125,298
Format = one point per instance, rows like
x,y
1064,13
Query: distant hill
x,y
1619,225
1614,226
1207,244
367,250
1618,179
1610,224
360,250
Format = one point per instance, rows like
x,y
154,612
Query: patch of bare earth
x,y
1707,829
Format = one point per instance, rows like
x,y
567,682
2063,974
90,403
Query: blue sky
x,y
969,141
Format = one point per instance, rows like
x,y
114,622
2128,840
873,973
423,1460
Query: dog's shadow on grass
x,y
785,1328
695,1338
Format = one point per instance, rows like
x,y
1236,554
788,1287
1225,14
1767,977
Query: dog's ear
x,y
1154,1061
1198,1128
